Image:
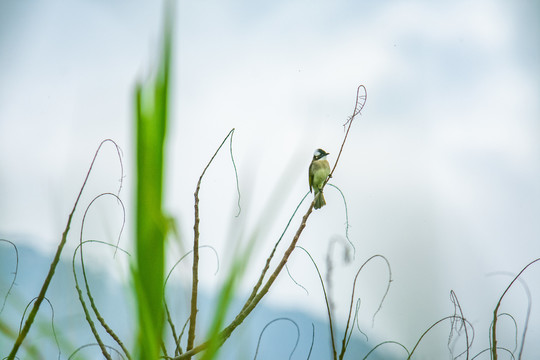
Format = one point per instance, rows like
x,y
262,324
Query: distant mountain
x,y
113,301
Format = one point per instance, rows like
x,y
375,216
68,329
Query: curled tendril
x,y
186,255
52,321
312,340
270,323
294,280
89,345
100,196
387,343
347,225
14,273
462,325
361,98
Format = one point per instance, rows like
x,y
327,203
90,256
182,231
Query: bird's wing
x,y
310,176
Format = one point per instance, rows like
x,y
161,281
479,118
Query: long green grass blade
x,y
148,270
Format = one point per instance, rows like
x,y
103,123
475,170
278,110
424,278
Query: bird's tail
x,y
319,200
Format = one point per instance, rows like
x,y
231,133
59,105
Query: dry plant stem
x,y
171,324
224,335
195,271
494,327
50,274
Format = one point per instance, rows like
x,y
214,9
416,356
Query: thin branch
x,y
195,271
173,328
494,327
528,315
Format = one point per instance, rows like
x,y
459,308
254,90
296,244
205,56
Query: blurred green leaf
x,y
151,224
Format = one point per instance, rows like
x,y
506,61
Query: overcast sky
x,y
441,172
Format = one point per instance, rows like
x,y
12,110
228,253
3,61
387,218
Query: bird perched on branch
x,y
319,169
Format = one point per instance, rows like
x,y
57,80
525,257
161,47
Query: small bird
x,y
319,169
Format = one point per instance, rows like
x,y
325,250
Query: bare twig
x,y
494,327
195,270
528,315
